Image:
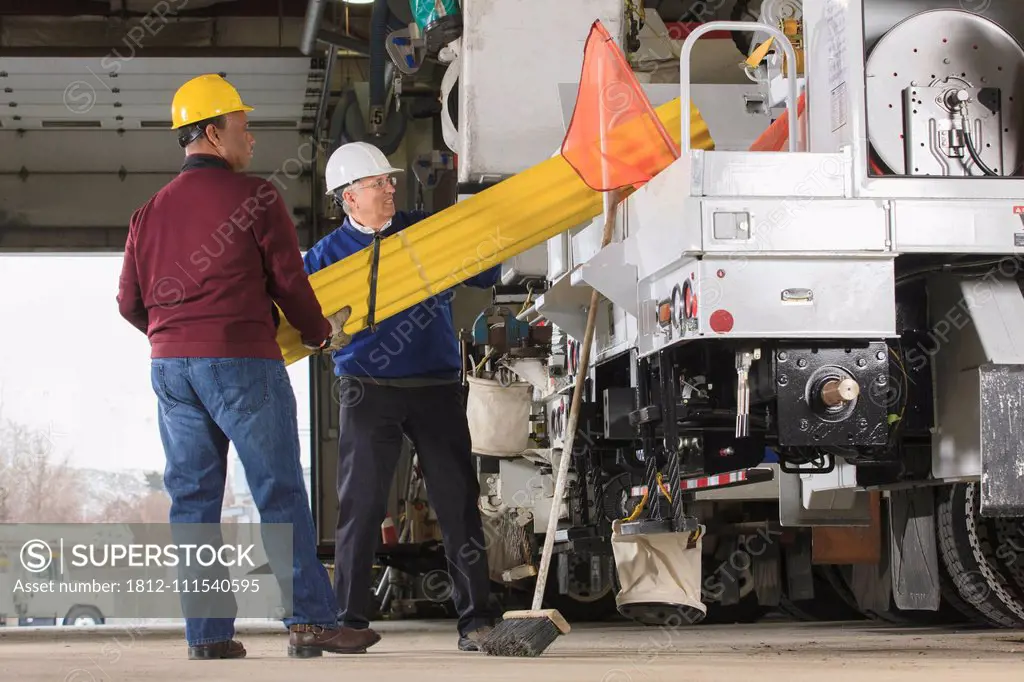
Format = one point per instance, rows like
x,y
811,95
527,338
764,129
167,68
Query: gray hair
x,y
339,199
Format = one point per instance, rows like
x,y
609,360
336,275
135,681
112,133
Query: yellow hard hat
x,y
204,97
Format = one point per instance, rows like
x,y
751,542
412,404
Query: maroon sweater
x,y
206,258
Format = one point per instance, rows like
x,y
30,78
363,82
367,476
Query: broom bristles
x,y
524,634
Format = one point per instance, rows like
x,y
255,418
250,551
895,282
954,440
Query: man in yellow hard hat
x,y
211,100
208,261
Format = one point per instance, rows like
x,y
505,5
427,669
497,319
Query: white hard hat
x,y
353,161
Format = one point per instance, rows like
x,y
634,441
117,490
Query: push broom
x,y
620,127
530,633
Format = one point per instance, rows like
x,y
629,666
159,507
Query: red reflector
x,y
665,313
721,321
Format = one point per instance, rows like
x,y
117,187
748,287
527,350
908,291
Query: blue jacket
x,y
417,342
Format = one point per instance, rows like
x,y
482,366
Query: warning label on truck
x,y
835,16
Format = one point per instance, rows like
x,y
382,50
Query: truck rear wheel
x,y
83,616
967,552
1010,554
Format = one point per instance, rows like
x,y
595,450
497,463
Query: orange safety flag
x,y
776,137
614,138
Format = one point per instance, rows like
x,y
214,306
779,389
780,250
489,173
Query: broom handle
x,y
611,206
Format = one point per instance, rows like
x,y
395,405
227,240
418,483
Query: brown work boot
x,y
217,650
308,641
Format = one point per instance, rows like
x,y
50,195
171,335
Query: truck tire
x,y
840,577
83,615
832,601
789,609
965,546
1010,536
580,604
747,611
951,595
948,614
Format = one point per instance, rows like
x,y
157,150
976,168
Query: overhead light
x,y
358,2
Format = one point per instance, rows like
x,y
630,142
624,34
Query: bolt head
x,y
804,425
880,355
801,363
881,380
783,356
783,380
861,362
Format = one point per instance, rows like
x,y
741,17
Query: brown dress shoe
x,y
308,641
217,650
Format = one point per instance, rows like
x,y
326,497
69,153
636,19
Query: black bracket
x,y
687,524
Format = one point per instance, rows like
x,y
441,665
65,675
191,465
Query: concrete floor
x,y
783,651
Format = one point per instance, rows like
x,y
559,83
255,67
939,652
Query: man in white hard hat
x,y
401,377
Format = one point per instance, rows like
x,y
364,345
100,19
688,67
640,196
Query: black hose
x,y
378,60
965,269
972,150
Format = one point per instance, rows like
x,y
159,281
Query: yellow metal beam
x,y
474,235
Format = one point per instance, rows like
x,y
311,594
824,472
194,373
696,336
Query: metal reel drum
x,y
916,64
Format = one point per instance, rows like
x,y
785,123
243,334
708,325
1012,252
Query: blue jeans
x,y
203,404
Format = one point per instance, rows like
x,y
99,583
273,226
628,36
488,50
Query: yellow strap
x,y
471,236
664,488
759,54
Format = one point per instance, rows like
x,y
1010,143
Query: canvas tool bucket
x,y
658,572
499,417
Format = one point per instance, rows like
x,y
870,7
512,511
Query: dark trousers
x,y
370,443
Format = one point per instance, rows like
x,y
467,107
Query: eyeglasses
x,y
381,183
